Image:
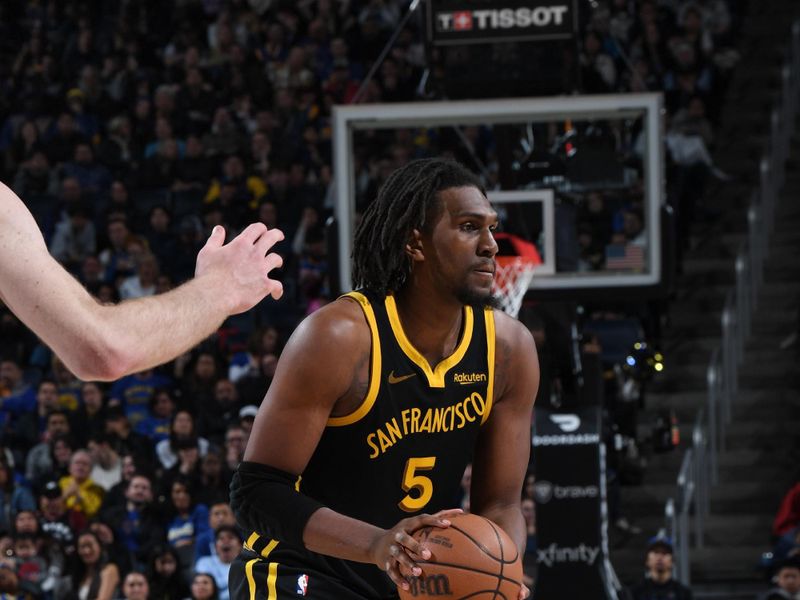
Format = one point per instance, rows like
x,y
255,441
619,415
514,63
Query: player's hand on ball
x,y
524,592
395,550
240,269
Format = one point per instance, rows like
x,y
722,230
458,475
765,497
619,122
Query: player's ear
x,y
413,247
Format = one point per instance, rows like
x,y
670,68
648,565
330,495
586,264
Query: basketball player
x,y
99,342
380,400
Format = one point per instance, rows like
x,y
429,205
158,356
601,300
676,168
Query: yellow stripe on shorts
x,y
251,582
269,548
251,541
272,578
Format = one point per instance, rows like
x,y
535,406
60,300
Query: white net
x,y
511,280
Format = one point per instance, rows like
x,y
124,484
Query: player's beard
x,y
480,299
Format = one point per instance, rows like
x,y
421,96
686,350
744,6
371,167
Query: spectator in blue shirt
x,y
16,395
162,407
220,514
136,523
95,179
134,393
228,544
69,386
31,424
14,497
189,520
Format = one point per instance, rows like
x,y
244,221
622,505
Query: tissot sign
x,y
468,22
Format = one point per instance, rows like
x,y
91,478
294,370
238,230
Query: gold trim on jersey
x,y
435,376
490,346
375,366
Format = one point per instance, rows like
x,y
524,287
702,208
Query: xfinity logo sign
x,y
567,423
462,21
553,555
544,491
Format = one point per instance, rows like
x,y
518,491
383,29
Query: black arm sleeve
x,y
264,500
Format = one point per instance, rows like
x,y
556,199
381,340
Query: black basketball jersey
x,y
403,451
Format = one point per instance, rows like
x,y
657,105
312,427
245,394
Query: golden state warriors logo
x,y
469,378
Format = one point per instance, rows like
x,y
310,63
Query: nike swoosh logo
x,y
393,379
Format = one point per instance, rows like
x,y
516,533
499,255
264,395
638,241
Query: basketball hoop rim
x,y
513,275
505,261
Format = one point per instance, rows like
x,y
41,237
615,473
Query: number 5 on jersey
x,y
413,481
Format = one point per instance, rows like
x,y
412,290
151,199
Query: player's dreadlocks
x,y
408,200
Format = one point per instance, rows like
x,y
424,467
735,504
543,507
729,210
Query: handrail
x,y
687,515
714,390
702,495
686,487
700,465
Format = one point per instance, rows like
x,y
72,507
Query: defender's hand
x,y
395,550
239,270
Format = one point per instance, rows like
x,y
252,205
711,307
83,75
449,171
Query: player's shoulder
x,y
511,334
339,322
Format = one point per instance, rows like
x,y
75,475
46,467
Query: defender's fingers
x,y
217,237
252,232
274,261
268,239
277,289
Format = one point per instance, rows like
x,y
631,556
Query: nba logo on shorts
x,y
302,585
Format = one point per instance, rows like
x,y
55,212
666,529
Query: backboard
x,y
581,177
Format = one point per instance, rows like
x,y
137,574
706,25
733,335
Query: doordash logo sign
x,y
566,423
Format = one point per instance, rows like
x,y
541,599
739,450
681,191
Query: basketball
x,y
473,558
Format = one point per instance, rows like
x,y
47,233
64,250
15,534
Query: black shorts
x,y
253,577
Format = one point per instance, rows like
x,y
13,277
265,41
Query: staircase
x,y
762,442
